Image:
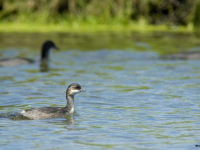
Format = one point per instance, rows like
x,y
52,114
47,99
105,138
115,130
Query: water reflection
x,y
160,42
68,119
13,116
44,66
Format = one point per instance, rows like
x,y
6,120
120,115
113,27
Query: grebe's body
x,y
53,112
185,55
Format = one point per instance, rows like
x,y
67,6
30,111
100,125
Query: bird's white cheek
x,y
73,92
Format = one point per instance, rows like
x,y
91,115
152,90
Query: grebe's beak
x,y
82,90
56,48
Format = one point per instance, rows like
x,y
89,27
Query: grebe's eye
x,y
78,87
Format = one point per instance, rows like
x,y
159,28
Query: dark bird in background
x,y
16,61
185,55
45,52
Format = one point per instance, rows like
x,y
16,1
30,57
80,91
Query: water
x,y
134,99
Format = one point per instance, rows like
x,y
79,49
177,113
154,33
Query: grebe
x,y
53,112
15,61
183,55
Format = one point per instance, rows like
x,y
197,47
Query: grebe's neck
x,y
45,54
70,103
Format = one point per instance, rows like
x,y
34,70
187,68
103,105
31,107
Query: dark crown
x,y
75,85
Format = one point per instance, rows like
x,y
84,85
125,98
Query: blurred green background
x,y
85,15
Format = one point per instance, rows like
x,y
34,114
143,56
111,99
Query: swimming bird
x,y
53,112
15,61
186,55
183,55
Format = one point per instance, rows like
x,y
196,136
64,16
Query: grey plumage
x,y
53,112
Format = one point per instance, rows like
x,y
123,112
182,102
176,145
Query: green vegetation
x,y
87,27
98,15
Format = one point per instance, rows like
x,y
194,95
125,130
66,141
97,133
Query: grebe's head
x,y
73,89
49,45
46,47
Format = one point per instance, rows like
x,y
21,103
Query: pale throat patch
x,y
73,92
